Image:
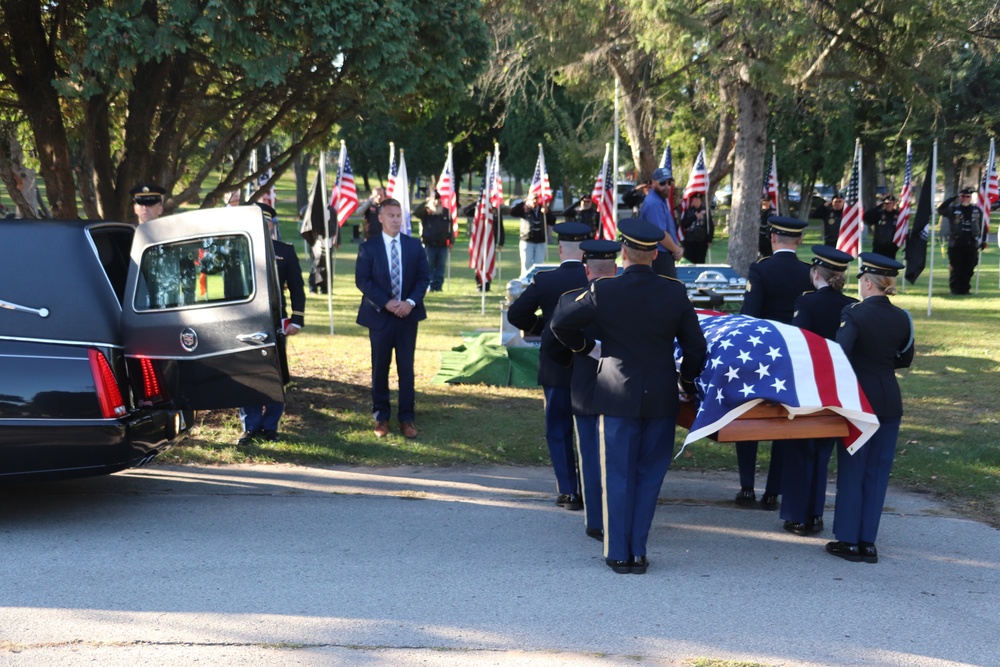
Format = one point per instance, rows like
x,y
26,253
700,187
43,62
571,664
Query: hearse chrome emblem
x,y
189,339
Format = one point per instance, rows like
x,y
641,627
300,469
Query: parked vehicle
x,y
111,336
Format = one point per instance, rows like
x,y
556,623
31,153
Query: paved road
x,y
251,565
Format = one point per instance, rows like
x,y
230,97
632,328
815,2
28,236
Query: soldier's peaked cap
x,y
639,234
573,231
600,249
880,265
783,226
831,258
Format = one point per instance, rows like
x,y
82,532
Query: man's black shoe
x,y
619,566
815,524
269,436
247,439
639,565
596,533
869,553
769,502
570,501
844,550
746,497
797,528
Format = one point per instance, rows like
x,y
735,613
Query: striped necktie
x,y
394,269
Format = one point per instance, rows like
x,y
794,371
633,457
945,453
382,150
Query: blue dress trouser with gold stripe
x,y
636,455
559,437
588,443
862,482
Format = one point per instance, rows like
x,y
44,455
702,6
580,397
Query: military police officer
x,y
962,226
543,294
640,315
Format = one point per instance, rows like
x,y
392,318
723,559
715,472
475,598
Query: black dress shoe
x,y
769,502
815,524
571,501
270,436
596,533
844,550
797,528
619,566
639,565
247,439
746,497
869,553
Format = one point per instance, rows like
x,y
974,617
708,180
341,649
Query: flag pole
x,y
933,224
326,237
706,201
614,159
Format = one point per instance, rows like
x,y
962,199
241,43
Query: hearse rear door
x,y
201,311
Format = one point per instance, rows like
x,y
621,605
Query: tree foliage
x,y
172,91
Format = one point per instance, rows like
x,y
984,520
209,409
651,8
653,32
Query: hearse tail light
x,y
108,394
150,382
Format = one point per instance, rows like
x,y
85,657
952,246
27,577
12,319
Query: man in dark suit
x,y
773,285
599,259
543,294
393,276
260,422
640,315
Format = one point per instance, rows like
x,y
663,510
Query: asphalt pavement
x,y
285,565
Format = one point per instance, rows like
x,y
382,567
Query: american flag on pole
x,y
905,201
849,240
667,162
540,187
771,183
482,247
751,361
402,194
390,189
604,198
446,189
988,190
496,183
697,184
345,193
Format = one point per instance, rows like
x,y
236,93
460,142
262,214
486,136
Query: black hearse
x,y
111,336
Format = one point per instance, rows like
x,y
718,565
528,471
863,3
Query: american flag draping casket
x,y
755,364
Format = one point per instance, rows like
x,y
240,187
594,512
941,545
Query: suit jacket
x,y
290,276
371,275
877,338
640,315
819,311
773,285
543,294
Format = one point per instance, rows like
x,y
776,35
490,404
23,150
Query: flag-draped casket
x,y
764,380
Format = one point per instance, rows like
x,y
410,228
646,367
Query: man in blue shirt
x,y
656,210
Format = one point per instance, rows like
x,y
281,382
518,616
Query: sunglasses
x,y
663,182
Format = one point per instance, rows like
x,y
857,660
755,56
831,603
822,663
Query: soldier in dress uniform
x,y
962,226
599,259
773,285
260,423
877,338
882,223
804,472
640,315
832,214
147,201
543,294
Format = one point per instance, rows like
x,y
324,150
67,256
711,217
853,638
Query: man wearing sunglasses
x,y
656,211
962,226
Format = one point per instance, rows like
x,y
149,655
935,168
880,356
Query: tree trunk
x,y
32,82
301,169
721,164
13,173
748,174
636,112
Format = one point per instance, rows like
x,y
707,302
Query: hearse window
x,y
206,270
113,245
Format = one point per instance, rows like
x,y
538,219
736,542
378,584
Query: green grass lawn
x,y
949,443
